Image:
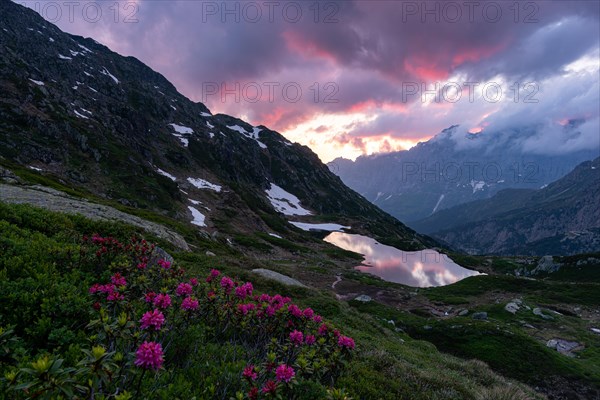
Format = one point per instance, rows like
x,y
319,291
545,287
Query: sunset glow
x,y
366,79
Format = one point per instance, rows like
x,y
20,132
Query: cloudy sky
x,y
358,77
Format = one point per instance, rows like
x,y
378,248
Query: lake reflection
x,y
423,268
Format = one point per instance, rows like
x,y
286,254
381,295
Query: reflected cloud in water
x,y
423,268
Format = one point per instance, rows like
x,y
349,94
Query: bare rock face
x,y
538,311
55,200
7,176
276,276
512,307
546,265
564,347
481,316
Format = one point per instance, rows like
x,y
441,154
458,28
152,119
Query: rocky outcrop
x,y
545,265
564,347
481,316
276,276
55,200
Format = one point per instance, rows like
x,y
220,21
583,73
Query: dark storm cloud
x,y
369,50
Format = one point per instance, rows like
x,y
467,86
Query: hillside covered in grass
x,y
115,334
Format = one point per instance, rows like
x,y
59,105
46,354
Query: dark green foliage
x,y
252,242
544,291
283,243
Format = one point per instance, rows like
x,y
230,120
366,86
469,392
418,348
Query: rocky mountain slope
x,y
79,115
456,167
561,219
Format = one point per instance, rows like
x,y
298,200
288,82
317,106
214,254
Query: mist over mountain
x,y
456,166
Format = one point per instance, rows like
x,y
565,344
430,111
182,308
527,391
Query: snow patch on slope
x,y
319,227
105,72
285,202
198,217
80,115
164,173
84,48
254,135
203,184
477,185
438,203
181,130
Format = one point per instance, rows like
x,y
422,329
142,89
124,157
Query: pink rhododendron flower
x,y
142,265
114,296
240,292
227,284
162,301
297,337
243,291
184,289
308,313
277,299
194,282
264,298
250,373
310,339
97,239
189,303
270,387
213,274
270,311
95,288
253,393
149,297
284,373
118,280
149,355
164,264
294,310
345,341
318,319
153,319
245,308
108,288
322,330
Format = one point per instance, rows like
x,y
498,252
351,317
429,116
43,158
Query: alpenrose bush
x,y
144,304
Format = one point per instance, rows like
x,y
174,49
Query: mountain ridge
x,y
563,218
456,167
78,113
